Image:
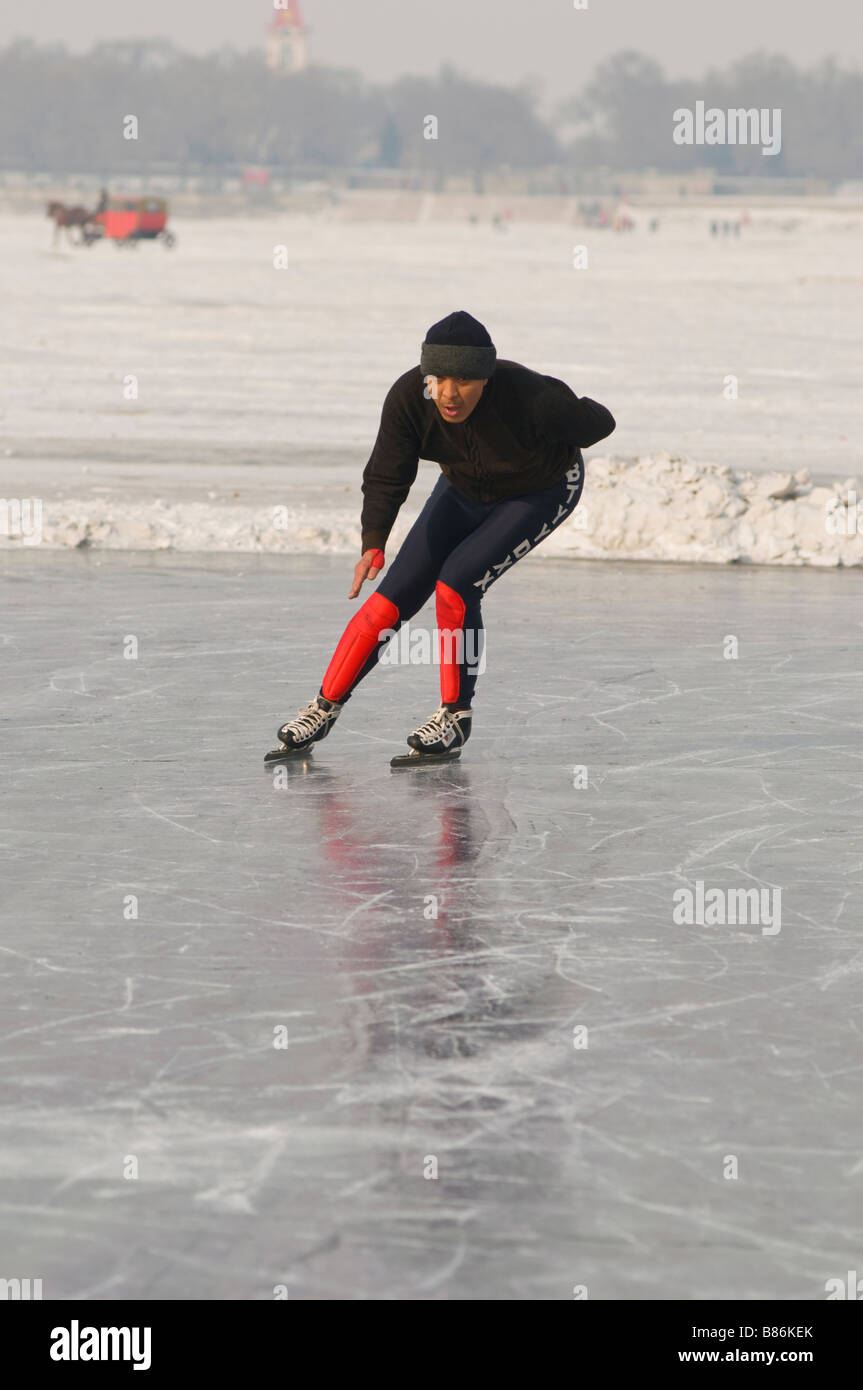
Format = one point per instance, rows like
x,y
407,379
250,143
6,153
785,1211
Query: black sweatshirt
x,y
520,437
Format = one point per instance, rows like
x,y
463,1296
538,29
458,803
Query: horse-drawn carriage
x,y
126,221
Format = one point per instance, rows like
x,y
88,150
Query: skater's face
x,y
455,396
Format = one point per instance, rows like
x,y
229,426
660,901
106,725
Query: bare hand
x,y
369,567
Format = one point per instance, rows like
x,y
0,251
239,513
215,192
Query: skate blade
x,y
415,759
282,754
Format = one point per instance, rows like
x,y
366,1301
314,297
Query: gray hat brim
x,y
472,363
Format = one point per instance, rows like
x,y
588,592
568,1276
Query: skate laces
x,y
308,720
434,727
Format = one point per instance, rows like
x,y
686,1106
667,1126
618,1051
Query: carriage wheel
x,y
169,239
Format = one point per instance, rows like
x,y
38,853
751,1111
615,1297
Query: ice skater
x,y
508,441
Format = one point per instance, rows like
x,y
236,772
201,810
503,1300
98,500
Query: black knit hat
x,y
458,346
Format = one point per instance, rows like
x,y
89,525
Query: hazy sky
x,y
493,39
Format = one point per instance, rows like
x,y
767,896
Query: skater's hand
x,y
369,567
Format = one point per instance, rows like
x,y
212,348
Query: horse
x,y
68,218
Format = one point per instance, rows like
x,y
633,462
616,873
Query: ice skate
x,y
310,725
439,740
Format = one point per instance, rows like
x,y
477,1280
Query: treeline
x,y
63,111
624,117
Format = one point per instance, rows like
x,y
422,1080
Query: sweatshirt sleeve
x,y
559,414
390,471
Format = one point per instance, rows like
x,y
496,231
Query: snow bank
x,y
658,508
665,508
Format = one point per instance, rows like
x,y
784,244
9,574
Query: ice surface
x,y
262,905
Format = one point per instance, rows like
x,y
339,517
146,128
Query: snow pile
x,y
657,508
107,524
665,508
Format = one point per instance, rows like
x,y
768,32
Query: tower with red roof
x,y
287,50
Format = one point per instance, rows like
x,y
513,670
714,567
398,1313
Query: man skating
x,y
508,441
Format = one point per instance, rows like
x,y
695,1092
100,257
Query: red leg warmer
x,y
357,643
450,608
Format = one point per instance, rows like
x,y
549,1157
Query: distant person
x,y
509,443
103,202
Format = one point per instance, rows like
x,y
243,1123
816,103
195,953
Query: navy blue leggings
x,y
456,549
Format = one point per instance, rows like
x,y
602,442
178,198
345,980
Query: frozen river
x,y
509,1071
496,1030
